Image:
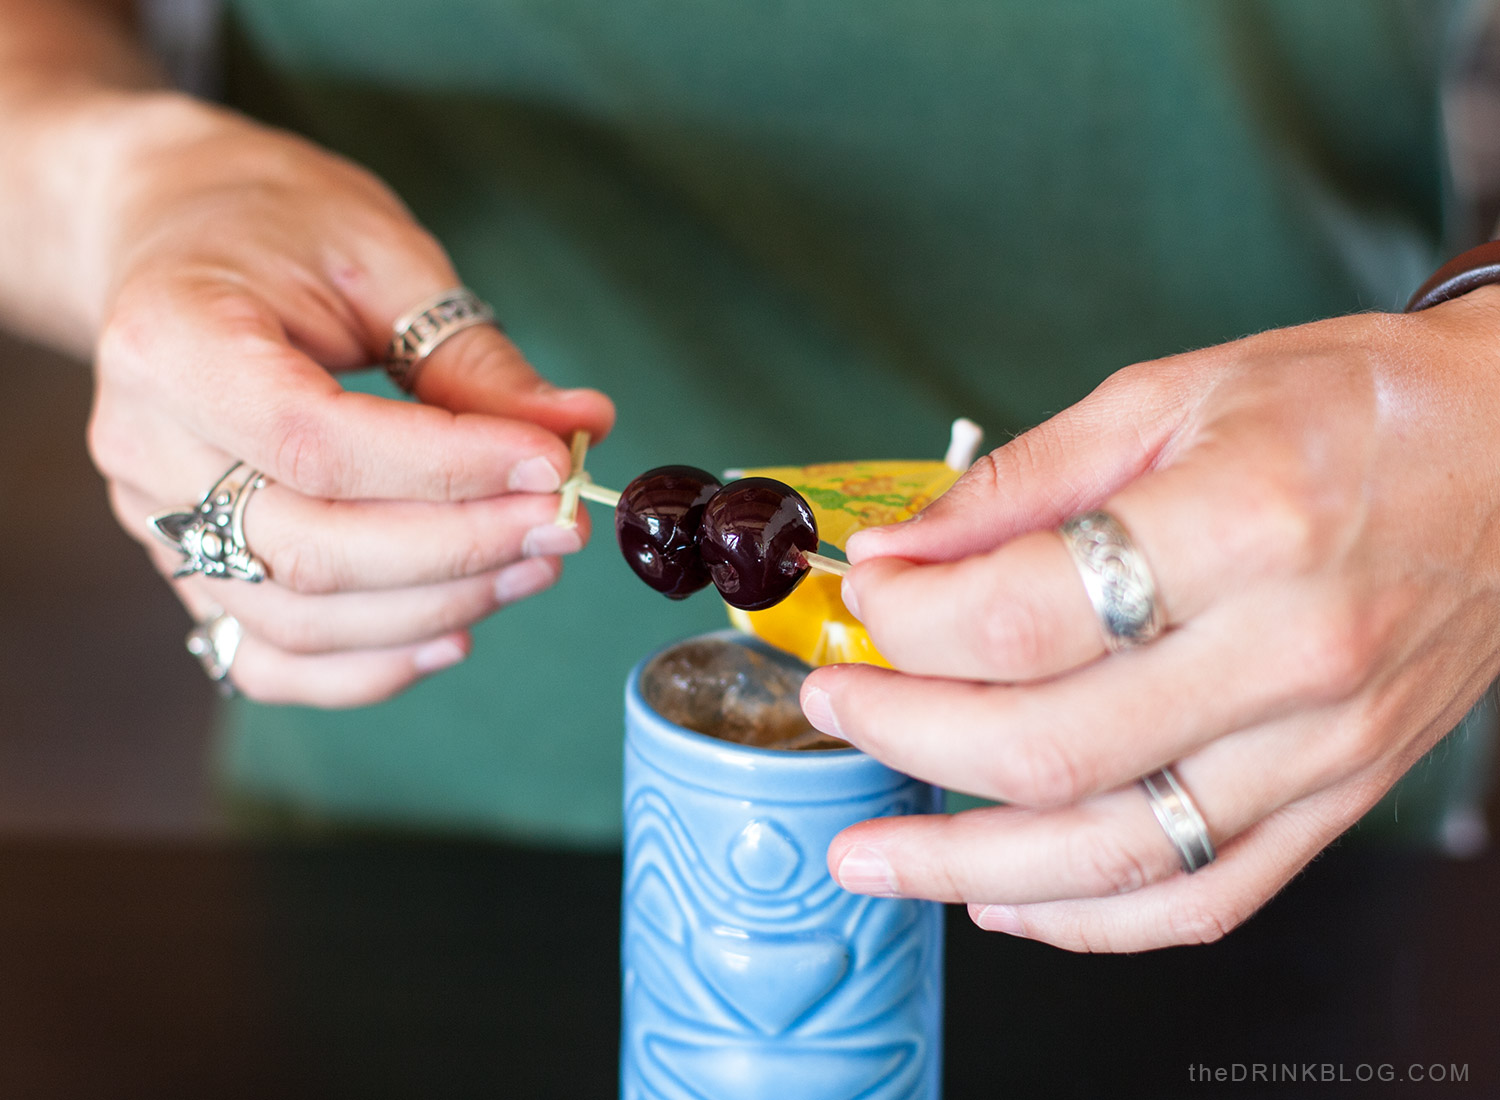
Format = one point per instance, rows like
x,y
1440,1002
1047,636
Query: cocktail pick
x,y
580,486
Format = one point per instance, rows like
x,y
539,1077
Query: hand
x,y
246,268
1320,507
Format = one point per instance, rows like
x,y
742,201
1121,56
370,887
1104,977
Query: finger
x,y
300,624
1198,908
321,547
1208,526
216,365
1057,469
338,680
1061,740
1106,845
1016,613
478,370
268,674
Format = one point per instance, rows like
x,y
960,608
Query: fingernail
x,y
526,579
439,654
549,540
1000,918
534,475
867,543
865,871
819,711
854,547
846,592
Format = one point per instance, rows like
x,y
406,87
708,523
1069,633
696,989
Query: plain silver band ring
x,y
211,537
1179,817
420,330
1117,578
215,641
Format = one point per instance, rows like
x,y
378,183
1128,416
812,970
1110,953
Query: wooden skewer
x,y
567,505
825,564
580,486
598,493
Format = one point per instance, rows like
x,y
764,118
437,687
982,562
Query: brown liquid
x,y
729,691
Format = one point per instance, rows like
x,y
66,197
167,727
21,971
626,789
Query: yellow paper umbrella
x,y
813,623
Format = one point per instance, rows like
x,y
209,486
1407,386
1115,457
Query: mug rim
x,y
694,757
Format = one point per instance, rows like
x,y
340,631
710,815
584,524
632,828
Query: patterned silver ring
x,y
1179,817
214,642
420,330
211,536
1117,579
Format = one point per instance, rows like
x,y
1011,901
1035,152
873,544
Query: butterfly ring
x,y
211,536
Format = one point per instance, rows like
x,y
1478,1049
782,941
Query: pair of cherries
x,y
681,529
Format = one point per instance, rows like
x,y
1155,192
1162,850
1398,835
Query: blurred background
x,y
104,719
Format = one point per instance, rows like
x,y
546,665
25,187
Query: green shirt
x,y
784,232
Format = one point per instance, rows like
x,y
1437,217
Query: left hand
x,y
1320,507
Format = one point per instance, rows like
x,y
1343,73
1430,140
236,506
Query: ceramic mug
x,y
748,972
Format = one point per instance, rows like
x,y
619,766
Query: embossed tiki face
x,y
746,968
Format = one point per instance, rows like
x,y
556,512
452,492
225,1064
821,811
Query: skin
x,y
1320,507
224,273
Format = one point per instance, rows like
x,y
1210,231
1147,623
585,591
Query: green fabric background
x,y
788,232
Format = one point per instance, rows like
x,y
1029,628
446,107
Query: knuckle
x,y
303,567
1106,865
1201,920
306,458
1030,453
1337,655
1012,638
1279,518
1042,772
123,346
470,556
112,450
480,541
255,683
1356,742
289,631
131,522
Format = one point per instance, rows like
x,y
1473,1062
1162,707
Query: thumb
x,y
1064,466
476,370
479,370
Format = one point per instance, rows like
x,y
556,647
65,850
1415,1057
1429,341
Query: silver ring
x,y
1179,817
420,330
214,642
212,535
1118,581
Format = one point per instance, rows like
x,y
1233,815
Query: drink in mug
x,y
748,972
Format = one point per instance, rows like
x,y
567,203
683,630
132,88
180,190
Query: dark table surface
x,y
398,968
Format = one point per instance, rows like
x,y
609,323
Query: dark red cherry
x,y
754,532
657,522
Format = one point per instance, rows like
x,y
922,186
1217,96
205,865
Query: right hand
x,y
245,267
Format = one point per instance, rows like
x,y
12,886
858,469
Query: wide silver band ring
x,y
211,536
420,330
215,641
1179,817
1117,578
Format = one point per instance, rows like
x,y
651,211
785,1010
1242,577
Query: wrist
x,y
72,159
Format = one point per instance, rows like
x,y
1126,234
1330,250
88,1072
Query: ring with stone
x,y
215,641
211,537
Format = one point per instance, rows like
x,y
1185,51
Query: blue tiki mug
x,y
748,972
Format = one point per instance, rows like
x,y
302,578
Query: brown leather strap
x,y
1465,272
